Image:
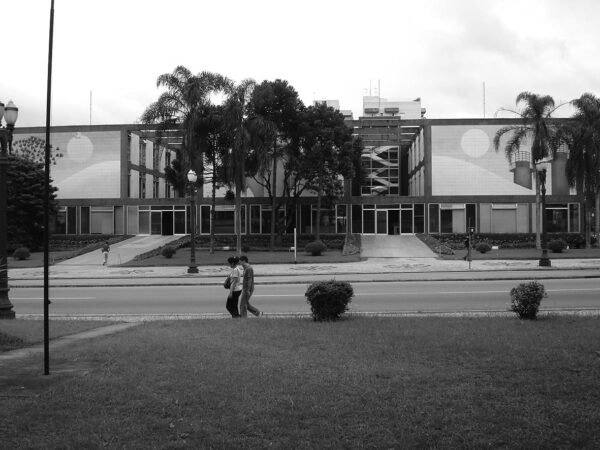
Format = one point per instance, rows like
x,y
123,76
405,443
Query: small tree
x,y
25,208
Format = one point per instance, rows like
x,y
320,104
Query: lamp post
x,y
542,168
192,177
10,114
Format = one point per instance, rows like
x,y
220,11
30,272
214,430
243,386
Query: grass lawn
x,y
363,382
22,333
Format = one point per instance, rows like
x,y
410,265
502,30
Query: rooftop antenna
x,y
484,99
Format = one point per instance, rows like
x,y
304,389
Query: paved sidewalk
x,y
372,269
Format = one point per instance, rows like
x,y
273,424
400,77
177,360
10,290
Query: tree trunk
x,y
273,197
213,203
539,213
318,219
597,217
238,218
588,221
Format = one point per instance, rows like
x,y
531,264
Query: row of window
x,y
365,219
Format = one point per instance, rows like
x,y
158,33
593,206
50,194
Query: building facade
x,y
422,176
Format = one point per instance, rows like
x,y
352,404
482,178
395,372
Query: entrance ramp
x,y
394,246
120,252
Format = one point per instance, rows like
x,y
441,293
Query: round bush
x,y
483,247
557,245
329,299
315,248
21,253
526,299
168,251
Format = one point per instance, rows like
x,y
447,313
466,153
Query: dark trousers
x,y
232,303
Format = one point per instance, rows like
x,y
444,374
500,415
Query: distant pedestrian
x,y
235,288
468,247
247,289
105,250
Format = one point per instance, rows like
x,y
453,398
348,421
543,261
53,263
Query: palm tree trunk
x,y
539,213
212,204
597,216
238,218
273,197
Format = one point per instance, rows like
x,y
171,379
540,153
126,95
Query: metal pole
x,y
6,306
193,268
47,198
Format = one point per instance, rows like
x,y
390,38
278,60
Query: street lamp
x,y
10,114
542,168
192,177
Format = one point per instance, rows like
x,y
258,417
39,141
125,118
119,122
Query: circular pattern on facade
x,y
475,143
80,148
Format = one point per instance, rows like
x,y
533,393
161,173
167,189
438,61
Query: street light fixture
x,y
10,113
542,168
192,178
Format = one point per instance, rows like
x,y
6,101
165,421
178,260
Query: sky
x,y
453,54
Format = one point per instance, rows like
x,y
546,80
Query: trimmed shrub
x,y
526,299
168,251
483,247
22,253
557,245
245,248
328,300
315,248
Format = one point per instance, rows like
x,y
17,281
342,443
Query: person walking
x,y
105,249
235,287
467,245
247,289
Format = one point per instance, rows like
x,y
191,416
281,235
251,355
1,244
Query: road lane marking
x,y
53,298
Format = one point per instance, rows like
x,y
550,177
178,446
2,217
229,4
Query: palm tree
x,y
537,128
582,136
180,107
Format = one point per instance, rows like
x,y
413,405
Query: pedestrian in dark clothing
x,y
247,289
468,247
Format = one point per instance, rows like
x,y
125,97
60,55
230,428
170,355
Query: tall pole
x,y
6,306
193,268
47,197
544,260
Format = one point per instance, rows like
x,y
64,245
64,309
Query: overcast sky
x,y
441,51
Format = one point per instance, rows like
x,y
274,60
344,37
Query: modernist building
x,y
423,176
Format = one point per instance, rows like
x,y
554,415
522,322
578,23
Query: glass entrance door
x,y
382,222
406,221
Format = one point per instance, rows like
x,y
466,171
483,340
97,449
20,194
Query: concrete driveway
x,y
398,246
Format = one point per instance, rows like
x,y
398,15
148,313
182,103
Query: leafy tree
x,y
328,155
26,200
582,136
536,128
180,107
279,106
34,149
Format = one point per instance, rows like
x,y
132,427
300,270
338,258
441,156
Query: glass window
x,y
304,222
102,222
254,219
471,215
119,220
179,222
71,220
357,219
266,219
144,220
85,220
60,221
205,219
368,221
446,220
434,218
156,222
557,218
419,217
224,222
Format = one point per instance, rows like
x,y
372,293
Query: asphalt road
x,y
380,297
